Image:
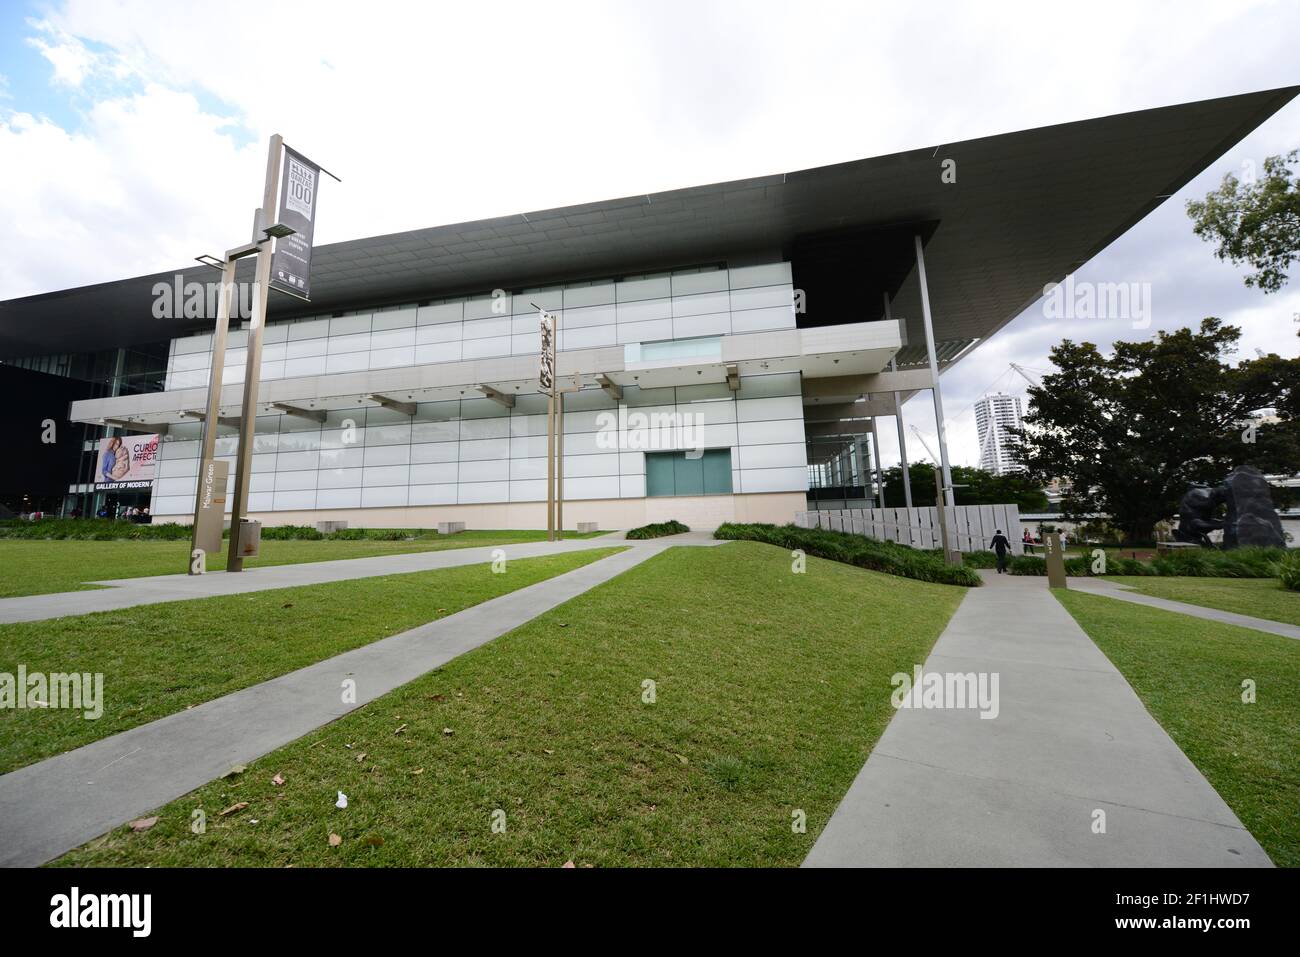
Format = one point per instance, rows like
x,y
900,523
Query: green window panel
x,y
674,473
717,471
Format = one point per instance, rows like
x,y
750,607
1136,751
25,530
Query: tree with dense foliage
x,y
973,487
1132,430
1256,223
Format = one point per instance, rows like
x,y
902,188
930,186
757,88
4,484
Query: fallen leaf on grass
x,y
400,730
448,731
335,840
143,824
278,780
374,840
233,809
548,750
287,604
237,769
361,757
418,771
569,864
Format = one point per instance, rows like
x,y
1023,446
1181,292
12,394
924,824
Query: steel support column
x,y
939,423
875,461
898,421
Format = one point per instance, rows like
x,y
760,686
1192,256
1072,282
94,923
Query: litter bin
x,y
250,538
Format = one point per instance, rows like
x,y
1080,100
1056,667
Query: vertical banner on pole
x,y
291,266
546,380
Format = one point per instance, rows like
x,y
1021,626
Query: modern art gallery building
x,y
729,346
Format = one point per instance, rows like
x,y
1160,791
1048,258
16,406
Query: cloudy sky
x,y
132,134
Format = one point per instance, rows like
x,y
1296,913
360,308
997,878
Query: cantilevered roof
x,y
1026,209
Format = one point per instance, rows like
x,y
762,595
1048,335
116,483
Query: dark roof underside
x,y
1027,208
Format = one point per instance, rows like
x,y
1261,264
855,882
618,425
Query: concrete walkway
x,y
1097,586
60,803
945,788
129,592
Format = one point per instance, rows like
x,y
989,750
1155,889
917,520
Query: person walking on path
x,y
1001,545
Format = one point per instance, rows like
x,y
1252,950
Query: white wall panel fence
x,y
971,527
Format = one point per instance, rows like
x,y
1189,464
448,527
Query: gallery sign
x,y
291,264
126,461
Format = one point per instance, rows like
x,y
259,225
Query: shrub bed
x,y
1201,563
887,557
657,530
1288,570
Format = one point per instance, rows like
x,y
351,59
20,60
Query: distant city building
x,y
995,417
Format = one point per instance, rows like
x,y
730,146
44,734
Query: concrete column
x,y
934,371
875,460
898,421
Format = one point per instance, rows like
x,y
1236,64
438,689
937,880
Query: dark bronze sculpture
x,y
1250,520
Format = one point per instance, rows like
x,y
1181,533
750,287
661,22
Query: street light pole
x,y
253,365
208,440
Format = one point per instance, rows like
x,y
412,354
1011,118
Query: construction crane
x,y
1025,375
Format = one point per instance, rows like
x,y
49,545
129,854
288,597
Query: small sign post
x,y
1055,561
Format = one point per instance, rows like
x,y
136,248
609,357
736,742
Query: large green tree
x,y
973,487
1132,430
1256,222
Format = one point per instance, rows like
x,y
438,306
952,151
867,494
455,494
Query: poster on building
x,y
126,461
291,264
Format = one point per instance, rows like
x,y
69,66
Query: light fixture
x,y
279,230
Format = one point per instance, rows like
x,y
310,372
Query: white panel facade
x,y
475,451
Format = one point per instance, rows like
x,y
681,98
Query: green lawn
x,y
161,659
1189,673
1257,597
39,567
771,689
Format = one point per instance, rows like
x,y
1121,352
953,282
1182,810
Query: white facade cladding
x,y
475,451
691,405
681,305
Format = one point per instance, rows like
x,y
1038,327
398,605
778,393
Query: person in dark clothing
x,y
1001,545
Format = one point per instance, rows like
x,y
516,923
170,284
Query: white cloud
x,y
492,108
71,61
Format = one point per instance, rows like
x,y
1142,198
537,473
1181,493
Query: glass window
x,y
674,473
704,347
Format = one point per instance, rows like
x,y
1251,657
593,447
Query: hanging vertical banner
x,y
291,264
546,370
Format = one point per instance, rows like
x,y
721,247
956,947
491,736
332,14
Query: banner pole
x,y
559,433
212,411
253,366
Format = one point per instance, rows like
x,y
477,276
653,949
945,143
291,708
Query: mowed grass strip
x,y
1189,673
1257,597
770,689
160,659
40,567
